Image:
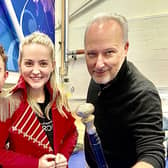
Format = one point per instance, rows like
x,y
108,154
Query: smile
x,y
36,78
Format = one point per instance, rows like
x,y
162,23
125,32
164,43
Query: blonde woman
x,y
36,121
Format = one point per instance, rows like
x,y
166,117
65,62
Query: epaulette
x,y
8,105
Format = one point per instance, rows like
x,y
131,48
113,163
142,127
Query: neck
x,y
38,95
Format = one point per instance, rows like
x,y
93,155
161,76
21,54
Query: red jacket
x,y
28,141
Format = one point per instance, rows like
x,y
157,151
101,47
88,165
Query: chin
x,y
35,86
101,81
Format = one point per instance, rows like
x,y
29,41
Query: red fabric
x,y
24,151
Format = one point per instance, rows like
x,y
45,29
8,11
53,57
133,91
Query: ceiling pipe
x,y
86,6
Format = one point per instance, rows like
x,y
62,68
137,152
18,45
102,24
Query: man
x,y
128,115
3,72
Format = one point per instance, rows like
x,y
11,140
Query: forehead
x,y
103,35
104,26
35,51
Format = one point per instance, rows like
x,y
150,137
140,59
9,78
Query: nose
x,y
100,61
36,69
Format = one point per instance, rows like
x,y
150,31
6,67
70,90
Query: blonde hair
x,y
57,97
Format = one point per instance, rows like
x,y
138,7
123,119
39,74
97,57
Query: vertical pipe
x,y
66,26
64,39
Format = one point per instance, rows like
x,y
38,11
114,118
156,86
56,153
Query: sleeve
x,y
70,138
147,129
10,158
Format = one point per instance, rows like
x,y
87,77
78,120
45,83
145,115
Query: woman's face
x,y
36,65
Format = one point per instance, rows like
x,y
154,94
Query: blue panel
x,y
31,15
8,39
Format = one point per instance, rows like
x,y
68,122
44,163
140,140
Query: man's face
x,y
3,73
105,51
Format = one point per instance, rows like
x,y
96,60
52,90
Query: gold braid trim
x,y
8,105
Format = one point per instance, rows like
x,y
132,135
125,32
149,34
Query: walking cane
x,y
85,112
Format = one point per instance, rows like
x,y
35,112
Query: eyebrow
x,y
44,60
33,60
27,59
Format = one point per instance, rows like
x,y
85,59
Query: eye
x,y
43,63
109,52
91,54
28,63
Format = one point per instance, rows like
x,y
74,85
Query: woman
x,y
37,124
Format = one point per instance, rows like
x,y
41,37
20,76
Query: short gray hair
x,y
104,17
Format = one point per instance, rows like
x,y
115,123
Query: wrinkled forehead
x,y
101,29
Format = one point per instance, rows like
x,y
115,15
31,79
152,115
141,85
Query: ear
x,y
54,65
6,74
126,46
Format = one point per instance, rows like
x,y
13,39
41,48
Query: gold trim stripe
x,y
27,123
22,116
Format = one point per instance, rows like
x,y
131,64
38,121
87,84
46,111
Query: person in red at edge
x,y
3,72
35,121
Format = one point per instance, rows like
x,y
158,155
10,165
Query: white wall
x,y
12,78
148,35
149,47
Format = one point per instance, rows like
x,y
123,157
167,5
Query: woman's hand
x,y
61,161
47,161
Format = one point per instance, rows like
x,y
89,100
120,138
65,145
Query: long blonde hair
x,y
57,95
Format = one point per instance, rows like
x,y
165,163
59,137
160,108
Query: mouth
x,y
35,78
99,73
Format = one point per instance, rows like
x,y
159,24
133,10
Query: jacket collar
x,y
22,86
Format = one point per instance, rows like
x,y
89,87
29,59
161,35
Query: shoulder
x,y
8,105
139,81
4,108
141,89
63,113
